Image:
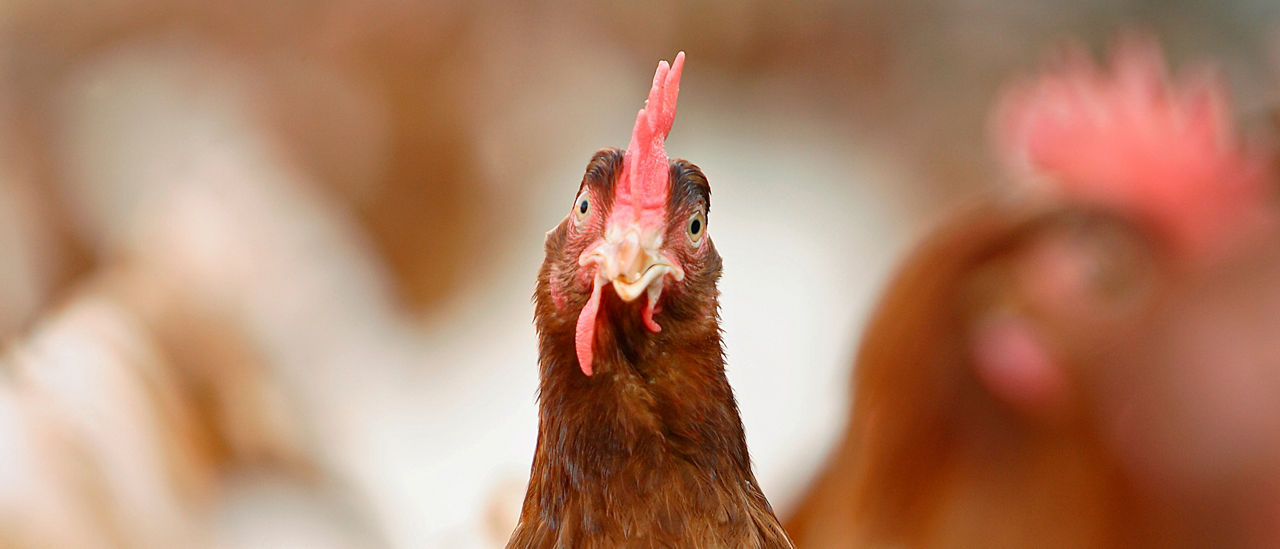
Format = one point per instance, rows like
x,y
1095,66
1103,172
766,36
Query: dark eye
x,y
696,228
581,208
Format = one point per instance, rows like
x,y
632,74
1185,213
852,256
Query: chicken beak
x,y
633,263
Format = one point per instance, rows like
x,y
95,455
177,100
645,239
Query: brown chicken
x,y
1089,363
639,439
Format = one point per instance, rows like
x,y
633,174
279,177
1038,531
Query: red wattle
x,y
585,333
646,315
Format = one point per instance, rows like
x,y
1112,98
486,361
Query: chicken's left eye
x,y
581,208
696,228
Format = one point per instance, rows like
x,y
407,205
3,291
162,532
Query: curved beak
x,y
632,262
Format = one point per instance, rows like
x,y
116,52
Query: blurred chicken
x,y
1086,363
639,438
92,415
163,378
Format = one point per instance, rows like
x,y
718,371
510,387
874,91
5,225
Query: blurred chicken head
x,y
1150,305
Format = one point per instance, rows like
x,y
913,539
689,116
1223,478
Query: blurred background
x,y
265,268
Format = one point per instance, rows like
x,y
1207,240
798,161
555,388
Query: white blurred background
x,y
265,269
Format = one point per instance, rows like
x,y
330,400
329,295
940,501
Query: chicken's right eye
x,y
581,208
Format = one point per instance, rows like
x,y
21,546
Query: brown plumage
x,y
649,450
1158,434
1090,364
930,457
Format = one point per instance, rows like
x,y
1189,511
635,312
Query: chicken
x,y
639,438
1085,363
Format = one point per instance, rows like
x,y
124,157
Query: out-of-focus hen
x,y
1088,363
639,438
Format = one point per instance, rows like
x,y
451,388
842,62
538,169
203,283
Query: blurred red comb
x,y
646,167
1126,139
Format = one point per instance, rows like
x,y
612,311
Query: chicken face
x,y
606,245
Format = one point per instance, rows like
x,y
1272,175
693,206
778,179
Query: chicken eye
x,y
696,228
581,207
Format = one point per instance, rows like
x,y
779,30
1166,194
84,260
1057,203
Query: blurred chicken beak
x,y
633,262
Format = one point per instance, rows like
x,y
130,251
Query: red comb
x,y
1126,139
644,185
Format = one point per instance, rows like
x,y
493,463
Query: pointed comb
x,y
646,164
1124,138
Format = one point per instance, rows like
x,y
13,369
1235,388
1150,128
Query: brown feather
x,y
930,459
